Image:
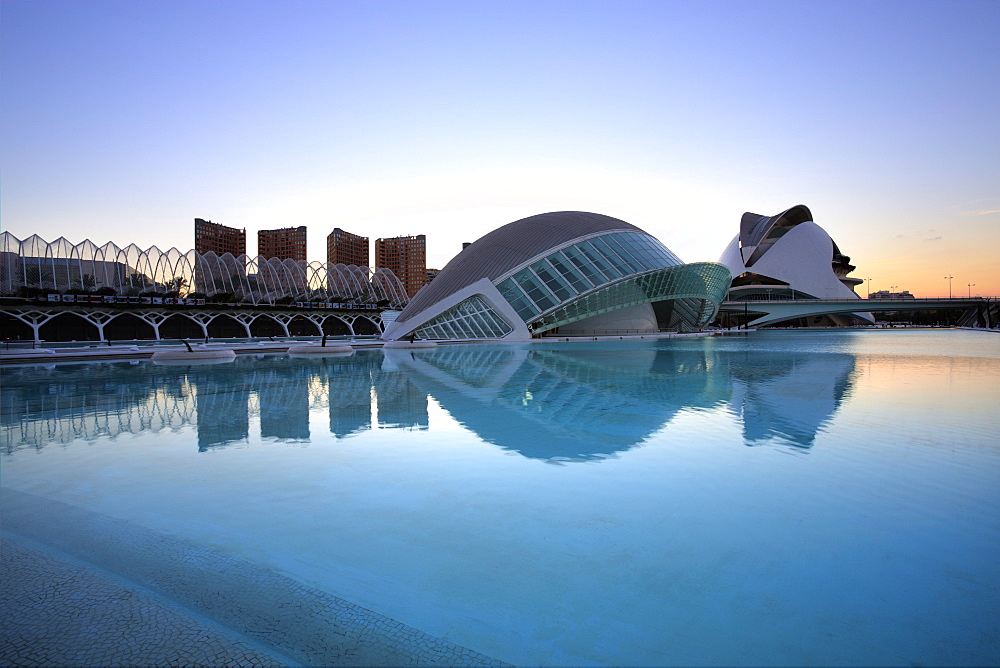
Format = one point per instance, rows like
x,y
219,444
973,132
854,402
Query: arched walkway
x,y
265,325
68,327
178,326
334,326
14,329
90,324
127,327
299,326
364,326
226,327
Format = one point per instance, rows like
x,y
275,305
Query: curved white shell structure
x,y
788,256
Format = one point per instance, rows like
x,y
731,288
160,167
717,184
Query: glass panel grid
x,y
515,296
701,285
569,273
535,289
470,319
553,281
587,268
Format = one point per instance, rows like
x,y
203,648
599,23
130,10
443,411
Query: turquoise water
x,y
778,498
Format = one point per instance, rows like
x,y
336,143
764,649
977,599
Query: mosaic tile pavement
x,y
57,613
88,589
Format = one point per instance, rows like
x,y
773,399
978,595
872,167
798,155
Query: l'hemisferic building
x,y
566,273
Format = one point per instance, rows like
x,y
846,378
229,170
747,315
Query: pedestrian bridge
x,y
778,310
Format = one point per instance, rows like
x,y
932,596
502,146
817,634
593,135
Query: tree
x,y
177,283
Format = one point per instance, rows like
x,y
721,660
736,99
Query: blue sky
x,y
124,121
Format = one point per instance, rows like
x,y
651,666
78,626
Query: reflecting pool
x,y
777,498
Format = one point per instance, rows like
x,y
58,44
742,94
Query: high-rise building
x,y
219,239
286,243
346,248
406,257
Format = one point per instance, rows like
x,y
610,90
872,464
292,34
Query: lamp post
x,y
971,285
949,285
869,287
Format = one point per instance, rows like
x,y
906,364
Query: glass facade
x,y
695,291
573,270
559,279
470,319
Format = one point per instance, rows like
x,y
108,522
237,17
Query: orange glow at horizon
x,y
922,265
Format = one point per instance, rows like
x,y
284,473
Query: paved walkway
x,y
59,613
84,589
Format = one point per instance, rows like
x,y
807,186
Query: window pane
x,y
553,281
618,249
586,267
569,272
598,258
516,298
536,292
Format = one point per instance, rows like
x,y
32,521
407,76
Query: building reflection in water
x,y
544,401
223,407
350,393
401,404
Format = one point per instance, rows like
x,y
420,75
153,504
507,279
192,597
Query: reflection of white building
x,y
788,256
789,397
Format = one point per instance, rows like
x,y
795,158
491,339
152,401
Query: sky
x,y
124,120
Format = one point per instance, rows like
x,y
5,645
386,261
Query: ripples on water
x,y
581,502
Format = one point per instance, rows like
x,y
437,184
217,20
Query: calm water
x,y
788,498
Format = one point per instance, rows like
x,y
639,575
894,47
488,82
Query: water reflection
x,y
545,401
787,396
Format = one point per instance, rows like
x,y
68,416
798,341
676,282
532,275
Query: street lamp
x,y
869,287
971,285
949,285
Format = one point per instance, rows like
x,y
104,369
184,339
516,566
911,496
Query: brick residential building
x,y
346,248
406,257
219,239
286,243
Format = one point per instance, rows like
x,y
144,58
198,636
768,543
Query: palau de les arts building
x,y
573,273
788,256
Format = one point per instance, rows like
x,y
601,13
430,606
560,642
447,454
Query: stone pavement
x,y
81,588
58,613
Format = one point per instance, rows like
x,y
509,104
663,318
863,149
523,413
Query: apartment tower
x,y
406,257
287,243
219,239
346,248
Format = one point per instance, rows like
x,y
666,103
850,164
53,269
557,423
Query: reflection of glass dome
x,y
551,403
577,403
545,401
572,270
